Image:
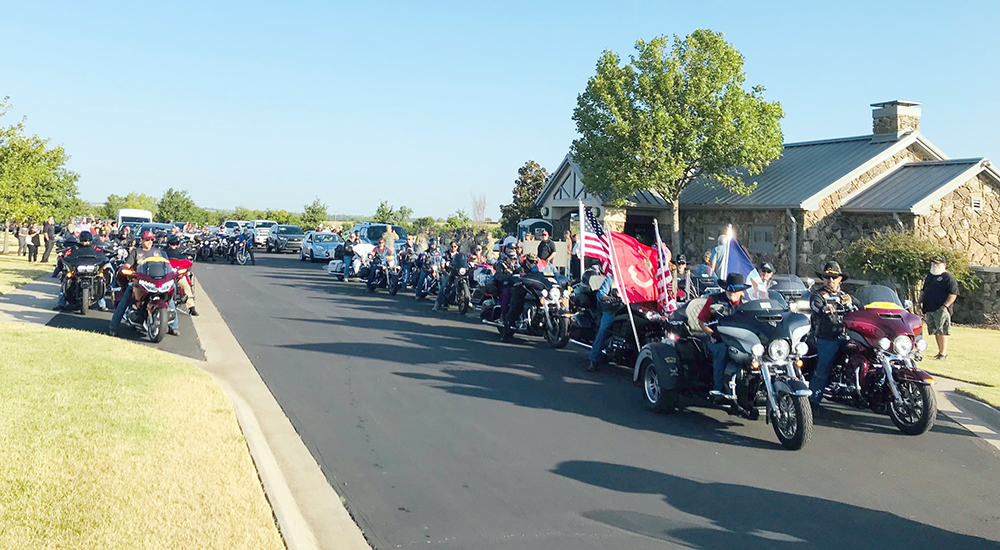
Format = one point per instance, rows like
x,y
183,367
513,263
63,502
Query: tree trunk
x,y
675,233
6,226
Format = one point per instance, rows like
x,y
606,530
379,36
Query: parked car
x,y
370,232
260,229
321,245
232,226
284,238
152,226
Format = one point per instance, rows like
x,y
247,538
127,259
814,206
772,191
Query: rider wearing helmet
x,y
349,244
517,296
142,252
84,246
245,237
433,259
507,269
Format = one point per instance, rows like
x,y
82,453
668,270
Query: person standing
x,y
939,293
34,241
22,239
546,248
716,256
49,235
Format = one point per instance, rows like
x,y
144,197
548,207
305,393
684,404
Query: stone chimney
x,y
892,119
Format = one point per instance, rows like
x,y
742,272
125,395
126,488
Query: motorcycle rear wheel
x,y
657,399
916,415
794,425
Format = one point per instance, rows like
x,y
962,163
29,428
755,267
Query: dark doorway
x,y
640,227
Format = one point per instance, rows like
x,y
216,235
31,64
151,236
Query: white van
x,y
133,217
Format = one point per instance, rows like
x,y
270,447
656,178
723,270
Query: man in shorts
x,y
939,293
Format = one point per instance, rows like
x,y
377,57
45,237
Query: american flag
x,y
595,242
664,277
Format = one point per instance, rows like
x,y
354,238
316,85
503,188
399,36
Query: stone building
x,y
819,196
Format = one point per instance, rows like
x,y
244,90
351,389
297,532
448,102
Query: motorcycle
x,y
876,366
586,318
546,308
205,246
184,269
482,283
85,279
154,282
457,292
387,273
766,343
431,267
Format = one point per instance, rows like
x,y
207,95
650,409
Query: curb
x,y
979,418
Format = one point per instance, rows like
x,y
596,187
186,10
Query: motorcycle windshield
x,y
156,269
773,301
877,294
91,257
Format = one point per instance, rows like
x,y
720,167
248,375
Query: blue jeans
x,y
603,330
405,275
720,358
442,288
826,354
348,258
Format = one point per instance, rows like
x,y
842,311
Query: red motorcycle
x,y
184,271
154,283
876,367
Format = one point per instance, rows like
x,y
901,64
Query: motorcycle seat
x,y
692,310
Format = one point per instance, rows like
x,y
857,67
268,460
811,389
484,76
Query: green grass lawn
x,y
109,444
16,271
973,356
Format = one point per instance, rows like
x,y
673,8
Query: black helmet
x,y
432,243
161,234
174,239
86,237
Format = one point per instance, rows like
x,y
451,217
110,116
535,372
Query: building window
x,y
761,238
977,203
710,239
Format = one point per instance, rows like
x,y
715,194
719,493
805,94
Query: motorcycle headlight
x,y
461,271
902,345
801,348
921,345
779,349
555,293
85,269
757,350
884,344
148,285
545,293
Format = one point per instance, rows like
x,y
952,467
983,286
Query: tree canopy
x,y
314,214
176,206
385,213
34,180
675,113
528,185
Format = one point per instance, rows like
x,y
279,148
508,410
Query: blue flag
x,y
737,261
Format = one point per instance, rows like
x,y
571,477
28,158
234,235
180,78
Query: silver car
x,y
321,245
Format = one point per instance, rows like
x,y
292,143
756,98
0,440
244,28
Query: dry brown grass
x,y
16,271
108,444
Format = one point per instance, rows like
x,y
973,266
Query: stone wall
x,y
694,222
953,223
983,305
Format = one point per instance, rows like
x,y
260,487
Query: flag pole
x,y
659,242
579,239
616,271
724,271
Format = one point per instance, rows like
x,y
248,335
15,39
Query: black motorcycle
x,y
431,268
457,291
766,342
546,308
205,246
387,274
86,278
620,347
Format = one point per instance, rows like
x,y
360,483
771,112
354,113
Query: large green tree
x,y
314,214
385,213
176,206
675,113
528,185
142,201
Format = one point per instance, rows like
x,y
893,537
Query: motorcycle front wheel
x,y
915,415
792,422
464,301
84,301
393,285
557,332
158,325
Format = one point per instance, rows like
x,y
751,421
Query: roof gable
x,y
913,188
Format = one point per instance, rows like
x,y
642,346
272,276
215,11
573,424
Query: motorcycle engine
x,y
616,348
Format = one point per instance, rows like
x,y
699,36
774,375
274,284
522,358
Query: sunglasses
x,y
732,288
832,276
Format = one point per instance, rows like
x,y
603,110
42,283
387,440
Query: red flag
x,y
637,264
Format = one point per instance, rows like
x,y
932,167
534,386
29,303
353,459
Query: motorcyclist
x,y
477,256
85,247
240,239
137,255
507,268
767,274
517,296
445,278
381,253
717,306
407,255
609,302
434,259
828,306
349,244
175,252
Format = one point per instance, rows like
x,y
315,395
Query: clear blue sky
x,y
270,104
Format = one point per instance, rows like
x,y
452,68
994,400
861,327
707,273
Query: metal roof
x,y
903,189
803,170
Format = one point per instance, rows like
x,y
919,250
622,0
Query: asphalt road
x,y
438,435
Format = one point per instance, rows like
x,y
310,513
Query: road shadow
x,y
750,518
187,344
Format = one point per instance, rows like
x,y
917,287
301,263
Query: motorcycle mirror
x,y
907,304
